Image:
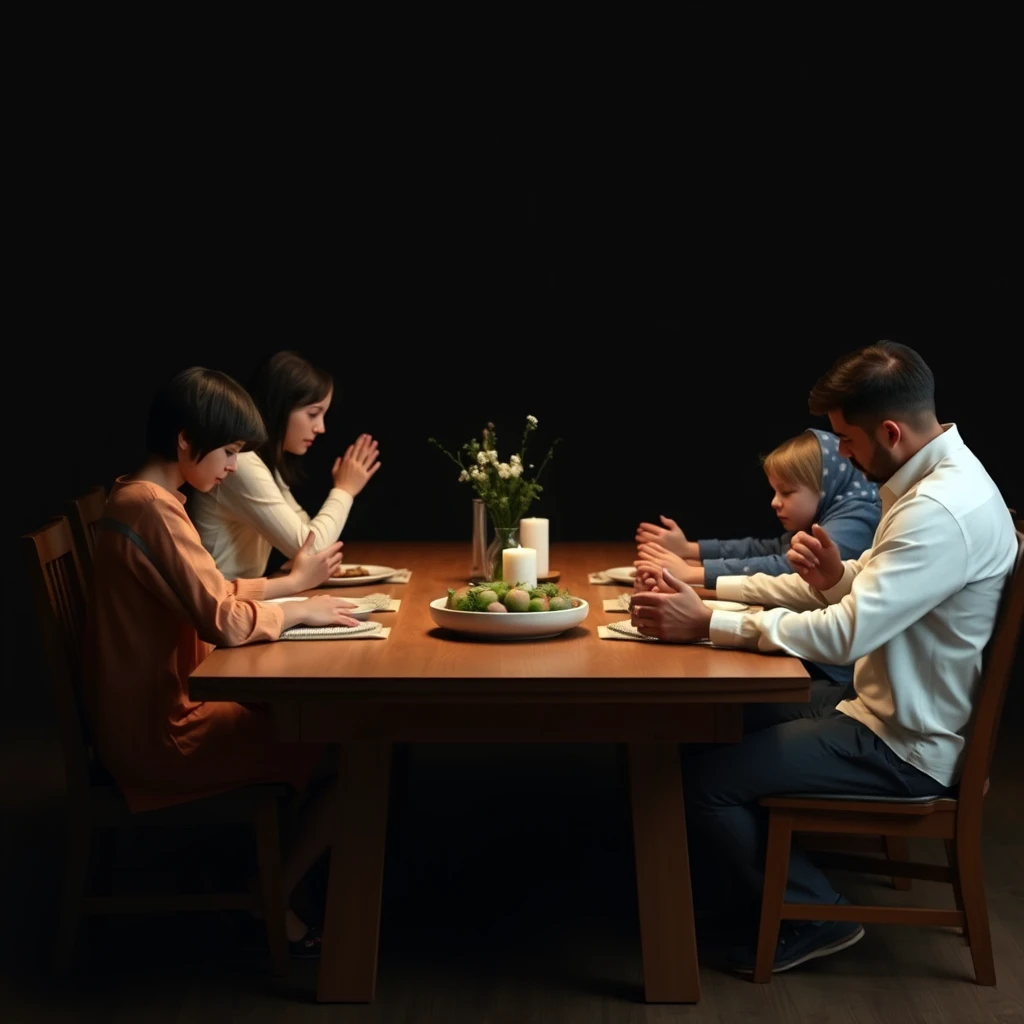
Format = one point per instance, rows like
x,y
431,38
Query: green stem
x,y
547,458
458,462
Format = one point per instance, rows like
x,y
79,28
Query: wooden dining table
x,y
425,684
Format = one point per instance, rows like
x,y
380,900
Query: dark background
x,y
652,231
657,264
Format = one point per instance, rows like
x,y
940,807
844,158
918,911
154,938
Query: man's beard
x,y
881,467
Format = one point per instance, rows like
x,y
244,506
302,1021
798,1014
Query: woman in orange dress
x,y
159,606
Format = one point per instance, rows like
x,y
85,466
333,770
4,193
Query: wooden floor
x,y
508,898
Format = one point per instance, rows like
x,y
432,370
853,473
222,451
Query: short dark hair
x,y
285,382
209,407
876,383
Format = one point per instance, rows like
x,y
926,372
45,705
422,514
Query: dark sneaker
x,y
801,942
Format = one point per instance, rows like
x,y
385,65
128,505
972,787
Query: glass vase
x,y
480,565
504,537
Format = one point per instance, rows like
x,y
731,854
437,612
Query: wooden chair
x,y
84,513
894,848
95,802
955,820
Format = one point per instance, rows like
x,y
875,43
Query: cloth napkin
x,y
599,577
399,576
364,631
625,631
621,631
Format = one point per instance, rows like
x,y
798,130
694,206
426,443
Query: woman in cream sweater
x,y
254,510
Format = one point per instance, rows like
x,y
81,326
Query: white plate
x,y
508,625
622,574
364,606
377,573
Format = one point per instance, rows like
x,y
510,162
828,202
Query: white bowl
x,y
508,625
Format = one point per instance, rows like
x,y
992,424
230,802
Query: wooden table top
x,y
421,660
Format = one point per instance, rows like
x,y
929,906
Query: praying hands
x,y
666,608
670,536
650,552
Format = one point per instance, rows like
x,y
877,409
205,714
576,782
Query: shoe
x,y
308,947
800,943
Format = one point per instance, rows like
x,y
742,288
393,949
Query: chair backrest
x,y
995,680
85,513
58,591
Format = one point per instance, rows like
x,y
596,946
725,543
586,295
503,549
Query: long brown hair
x,y
282,384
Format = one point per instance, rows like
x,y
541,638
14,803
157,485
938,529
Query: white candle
x,y
533,533
519,565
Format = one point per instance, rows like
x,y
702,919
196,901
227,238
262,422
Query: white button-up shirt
x,y
914,612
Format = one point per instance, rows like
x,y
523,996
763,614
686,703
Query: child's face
x,y
212,468
305,424
795,504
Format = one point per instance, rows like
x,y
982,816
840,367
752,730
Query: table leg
x,y
348,960
668,940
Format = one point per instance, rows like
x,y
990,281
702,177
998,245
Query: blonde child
x,y
811,483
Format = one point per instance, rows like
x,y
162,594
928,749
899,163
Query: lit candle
x,y
519,565
533,533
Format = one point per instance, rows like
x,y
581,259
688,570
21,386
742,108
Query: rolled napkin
x,y
399,576
617,604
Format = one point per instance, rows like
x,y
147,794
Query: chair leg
x,y
970,872
76,873
957,895
268,853
776,873
896,849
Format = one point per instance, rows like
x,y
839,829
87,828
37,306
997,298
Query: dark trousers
x,y
787,748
